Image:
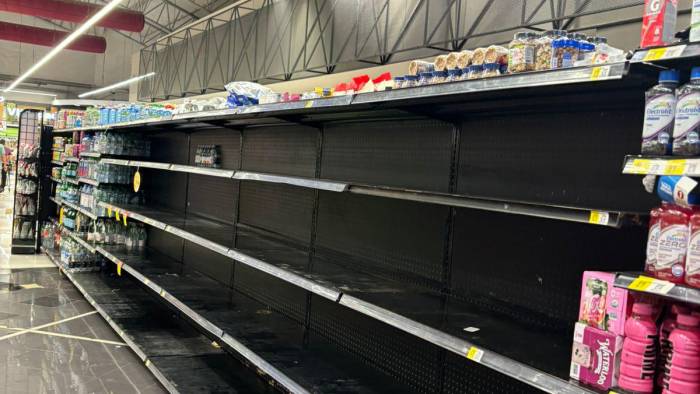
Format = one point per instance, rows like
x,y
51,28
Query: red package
x,y
381,78
673,242
659,23
360,82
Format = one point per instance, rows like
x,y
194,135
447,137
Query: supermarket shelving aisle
x,y
71,349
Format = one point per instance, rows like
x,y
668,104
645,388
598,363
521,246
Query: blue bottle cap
x,y
492,66
669,76
411,77
455,72
398,78
442,73
426,74
695,73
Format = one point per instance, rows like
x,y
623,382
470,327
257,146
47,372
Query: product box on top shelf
x,y
595,357
659,22
603,306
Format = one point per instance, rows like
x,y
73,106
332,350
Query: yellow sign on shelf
x,y
599,217
475,354
651,285
655,54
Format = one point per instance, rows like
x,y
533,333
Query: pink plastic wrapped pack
x,y
595,357
603,306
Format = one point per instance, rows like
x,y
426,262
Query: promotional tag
x,y
137,181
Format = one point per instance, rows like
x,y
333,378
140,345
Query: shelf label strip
x,y
651,285
599,217
475,354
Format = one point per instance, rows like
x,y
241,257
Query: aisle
x,y
70,348
7,261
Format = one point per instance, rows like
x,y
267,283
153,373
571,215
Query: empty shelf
x,y
388,301
182,359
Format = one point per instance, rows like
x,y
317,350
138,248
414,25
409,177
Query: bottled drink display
x,y
110,232
110,143
639,350
70,170
208,156
68,192
75,257
686,129
659,114
104,173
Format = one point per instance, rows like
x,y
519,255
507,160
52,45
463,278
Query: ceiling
x,y
162,16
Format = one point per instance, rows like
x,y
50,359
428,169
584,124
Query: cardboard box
x,y
659,22
604,306
595,357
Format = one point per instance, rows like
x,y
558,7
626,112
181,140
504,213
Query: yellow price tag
x,y
77,222
309,104
599,217
162,293
124,218
475,354
116,214
119,268
641,283
655,54
109,211
640,166
137,181
148,363
60,216
600,72
675,167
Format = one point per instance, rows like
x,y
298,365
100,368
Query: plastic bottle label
x,y
692,264
687,115
652,244
658,116
673,241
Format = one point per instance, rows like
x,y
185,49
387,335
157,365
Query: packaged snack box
x,y
595,357
603,306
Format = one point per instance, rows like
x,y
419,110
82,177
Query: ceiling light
x,y
116,85
28,92
72,37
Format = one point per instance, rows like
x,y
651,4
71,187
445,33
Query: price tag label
x,y
109,211
116,214
309,104
162,293
124,215
148,363
599,217
475,354
60,216
600,72
674,167
119,268
651,285
639,166
137,181
655,54
664,53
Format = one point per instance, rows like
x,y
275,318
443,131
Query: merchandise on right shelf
x,y
633,341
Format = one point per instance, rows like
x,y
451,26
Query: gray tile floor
x,y
75,350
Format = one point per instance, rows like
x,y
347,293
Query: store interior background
x,y
74,72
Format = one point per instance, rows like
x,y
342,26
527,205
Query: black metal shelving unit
x,y
410,240
33,145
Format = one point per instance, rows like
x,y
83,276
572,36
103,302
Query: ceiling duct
x,y
76,12
50,38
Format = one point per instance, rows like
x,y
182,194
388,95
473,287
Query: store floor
x,y
70,348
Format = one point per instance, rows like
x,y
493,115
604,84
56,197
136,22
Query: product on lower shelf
x,y
603,305
658,114
639,356
595,356
683,360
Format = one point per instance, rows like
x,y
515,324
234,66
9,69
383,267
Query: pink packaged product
x,y
604,306
595,357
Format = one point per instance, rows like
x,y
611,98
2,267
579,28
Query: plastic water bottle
x,y
658,114
686,129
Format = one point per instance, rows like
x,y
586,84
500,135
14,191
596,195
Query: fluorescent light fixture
x,y
63,44
28,92
117,85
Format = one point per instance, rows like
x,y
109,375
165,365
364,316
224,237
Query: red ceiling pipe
x,y
73,11
50,38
